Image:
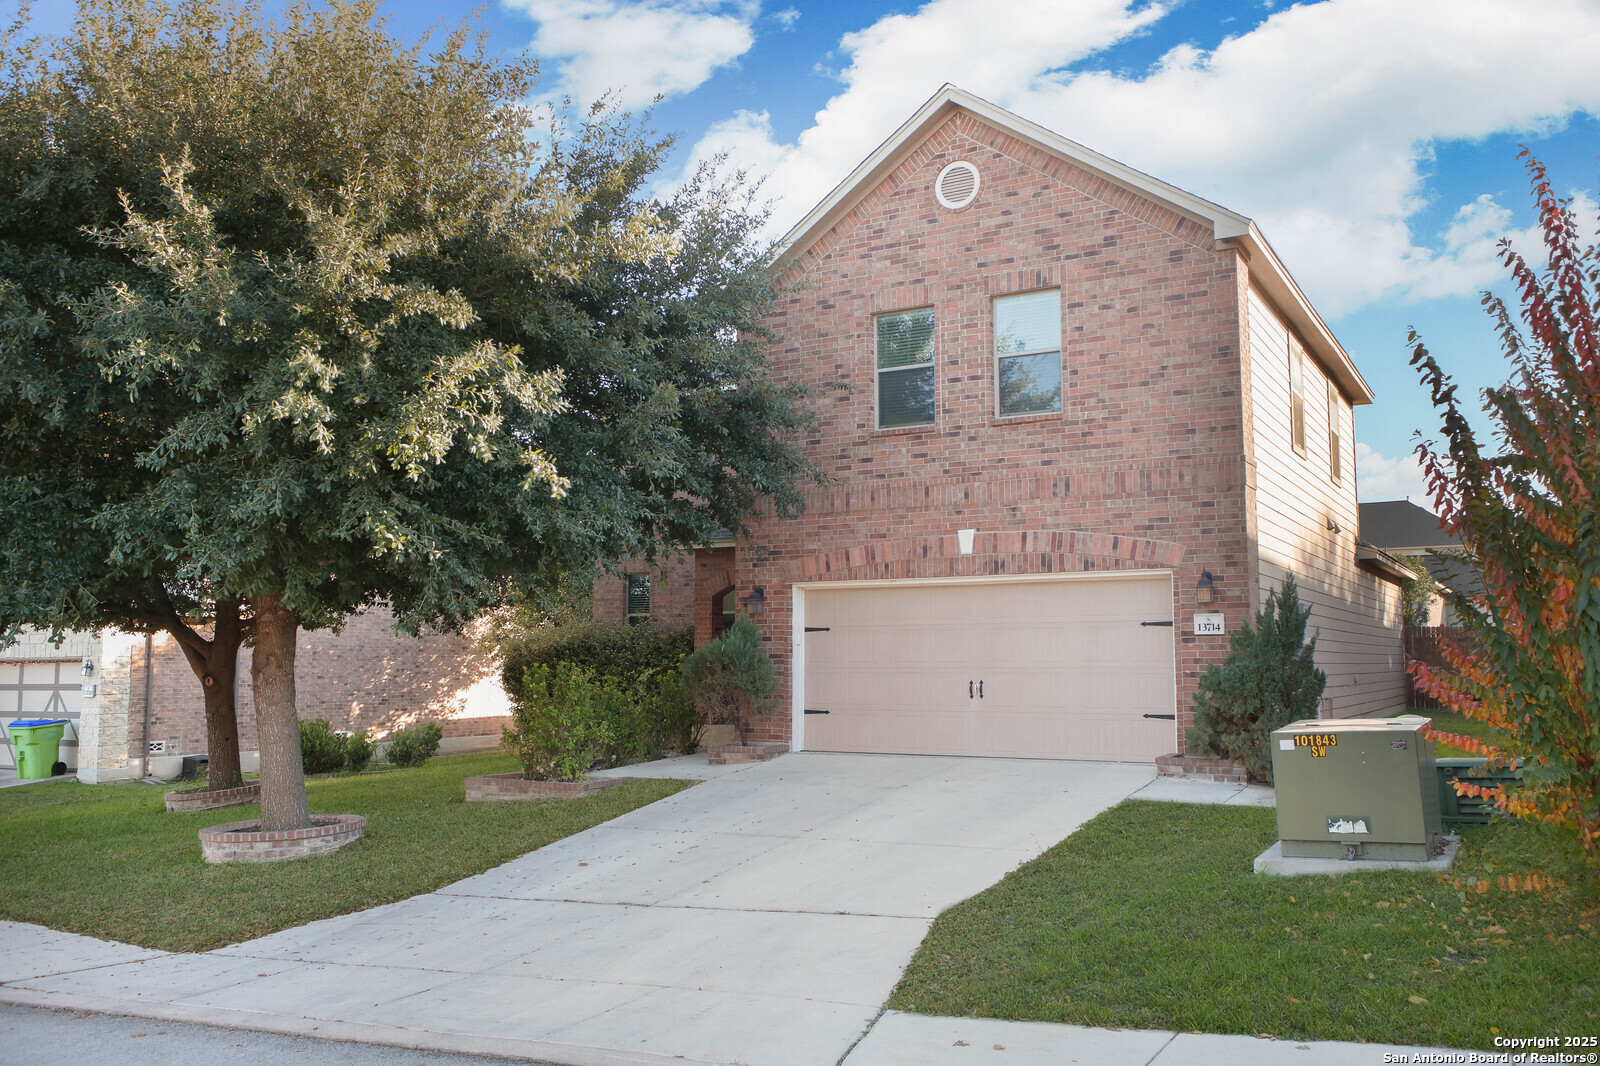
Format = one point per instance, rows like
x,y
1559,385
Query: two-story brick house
x,y
1119,393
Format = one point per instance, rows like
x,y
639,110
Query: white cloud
x,y
638,49
1379,477
1318,122
787,17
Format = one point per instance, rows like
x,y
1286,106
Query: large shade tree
x,y
295,320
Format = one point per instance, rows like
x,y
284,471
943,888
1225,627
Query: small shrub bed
x,y
1269,679
590,696
413,745
732,679
323,751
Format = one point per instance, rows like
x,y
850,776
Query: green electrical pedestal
x,y
1356,788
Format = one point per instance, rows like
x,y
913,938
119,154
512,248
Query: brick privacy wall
x,y
364,677
1150,444
672,591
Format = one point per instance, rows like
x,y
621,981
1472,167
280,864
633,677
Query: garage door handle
x,y
1168,717
1156,624
980,690
810,711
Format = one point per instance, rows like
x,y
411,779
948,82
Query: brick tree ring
x,y
248,842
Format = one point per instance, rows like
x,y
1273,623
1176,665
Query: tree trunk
x,y
216,663
222,718
283,784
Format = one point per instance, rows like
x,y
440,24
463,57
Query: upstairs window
x,y
1335,438
638,598
1027,350
1297,398
905,369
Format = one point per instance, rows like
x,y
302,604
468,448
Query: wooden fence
x,y
1423,644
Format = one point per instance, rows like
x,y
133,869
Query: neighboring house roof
x,y
1266,269
1400,525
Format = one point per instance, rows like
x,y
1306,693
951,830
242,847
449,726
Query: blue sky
x,y
1373,141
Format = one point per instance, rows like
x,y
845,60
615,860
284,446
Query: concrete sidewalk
x,y
44,1037
915,1040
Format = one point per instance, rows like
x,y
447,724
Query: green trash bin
x,y
37,743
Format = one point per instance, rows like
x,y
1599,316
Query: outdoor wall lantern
x,y
1203,587
88,668
756,601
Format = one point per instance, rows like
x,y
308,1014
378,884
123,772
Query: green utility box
x,y
1454,808
37,743
1356,788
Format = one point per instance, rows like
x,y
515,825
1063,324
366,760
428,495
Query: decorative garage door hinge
x,y
816,629
1168,717
1155,623
810,711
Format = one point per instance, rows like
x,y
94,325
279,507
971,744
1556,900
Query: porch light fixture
x,y
1203,587
87,670
756,601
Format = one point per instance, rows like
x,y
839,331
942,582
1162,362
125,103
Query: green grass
x,y
1149,917
109,861
1461,725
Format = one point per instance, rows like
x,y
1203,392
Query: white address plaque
x,y
1209,625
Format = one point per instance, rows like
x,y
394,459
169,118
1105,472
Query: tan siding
x,y
1356,614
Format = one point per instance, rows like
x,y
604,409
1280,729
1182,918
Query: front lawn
x,y
109,861
1461,725
1149,917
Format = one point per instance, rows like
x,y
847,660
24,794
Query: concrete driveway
x,y
760,917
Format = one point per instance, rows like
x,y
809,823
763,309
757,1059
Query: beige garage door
x,y
1066,669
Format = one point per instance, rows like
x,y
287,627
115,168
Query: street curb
x,y
349,1032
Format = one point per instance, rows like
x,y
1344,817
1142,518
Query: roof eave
x,y
1286,294
1384,564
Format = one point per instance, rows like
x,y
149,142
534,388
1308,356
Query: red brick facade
x,y
672,592
1143,469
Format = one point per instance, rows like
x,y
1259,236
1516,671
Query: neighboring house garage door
x,y
1055,669
41,690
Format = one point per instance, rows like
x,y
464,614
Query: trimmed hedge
x,y
587,696
624,652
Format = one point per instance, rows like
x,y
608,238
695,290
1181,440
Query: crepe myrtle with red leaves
x,y
1529,662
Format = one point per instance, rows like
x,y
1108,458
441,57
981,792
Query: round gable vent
x,y
957,185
